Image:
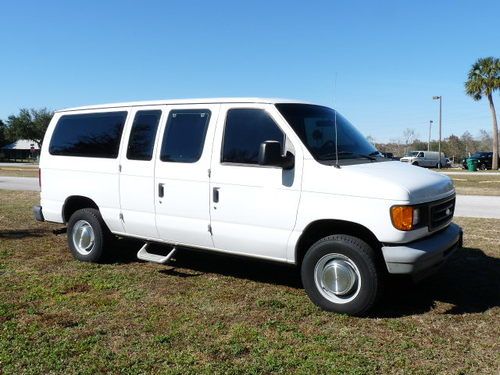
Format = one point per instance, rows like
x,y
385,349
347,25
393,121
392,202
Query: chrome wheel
x,y
337,278
83,237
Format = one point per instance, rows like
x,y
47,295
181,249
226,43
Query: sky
x,y
377,62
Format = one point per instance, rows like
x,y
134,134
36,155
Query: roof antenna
x,y
336,143
336,129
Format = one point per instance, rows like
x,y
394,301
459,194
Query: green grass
x,y
471,184
213,314
18,171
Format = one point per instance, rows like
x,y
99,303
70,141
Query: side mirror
x,y
270,154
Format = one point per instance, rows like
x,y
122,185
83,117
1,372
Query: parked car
x,y
273,179
484,160
388,155
424,158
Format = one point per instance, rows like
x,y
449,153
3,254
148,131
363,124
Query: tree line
x,y
27,124
454,147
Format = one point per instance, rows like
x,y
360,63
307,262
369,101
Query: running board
x,y
155,258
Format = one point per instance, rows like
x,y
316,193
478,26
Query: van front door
x,y
182,175
253,207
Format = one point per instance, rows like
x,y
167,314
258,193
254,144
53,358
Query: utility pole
x,y
429,143
440,98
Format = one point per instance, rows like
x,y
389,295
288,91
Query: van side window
x,y
184,135
245,130
93,135
142,135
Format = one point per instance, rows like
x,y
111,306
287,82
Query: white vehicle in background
x,y
280,180
424,159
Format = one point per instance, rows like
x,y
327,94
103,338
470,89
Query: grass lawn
x,y
18,171
216,314
477,185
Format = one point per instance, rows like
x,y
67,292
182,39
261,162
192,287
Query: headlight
x,y
405,217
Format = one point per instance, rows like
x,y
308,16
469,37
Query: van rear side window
x,y
94,135
142,135
184,135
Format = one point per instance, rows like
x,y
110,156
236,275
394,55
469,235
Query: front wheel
x,y
415,163
483,167
339,274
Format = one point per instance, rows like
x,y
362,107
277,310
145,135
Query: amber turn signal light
x,y
402,217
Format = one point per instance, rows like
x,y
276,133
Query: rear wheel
x,y
88,235
339,274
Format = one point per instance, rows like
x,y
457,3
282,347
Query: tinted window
x,y
142,135
326,133
185,135
91,135
245,130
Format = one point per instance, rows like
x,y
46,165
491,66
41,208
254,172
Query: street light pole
x,y
429,143
440,112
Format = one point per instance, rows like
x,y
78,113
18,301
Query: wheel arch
x,y
75,203
326,227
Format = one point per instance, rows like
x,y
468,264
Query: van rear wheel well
x,y
75,203
323,228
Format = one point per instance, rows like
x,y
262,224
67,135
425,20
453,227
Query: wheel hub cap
x,y
83,237
338,277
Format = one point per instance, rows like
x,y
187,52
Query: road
x,y
467,205
19,183
478,206
19,165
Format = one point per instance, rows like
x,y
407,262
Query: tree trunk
x,y
494,164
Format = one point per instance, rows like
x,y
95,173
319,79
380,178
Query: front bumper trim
x,y
422,257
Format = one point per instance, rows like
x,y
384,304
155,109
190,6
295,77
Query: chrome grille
x,y
441,213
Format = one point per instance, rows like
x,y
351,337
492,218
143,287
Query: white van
x,y
280,180
424,159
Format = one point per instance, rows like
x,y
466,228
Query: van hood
x,y
390,180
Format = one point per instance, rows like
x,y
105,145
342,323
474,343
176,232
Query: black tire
x,y
415,163
359,257
483,167
101,236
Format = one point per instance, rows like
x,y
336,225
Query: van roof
x,y
185,101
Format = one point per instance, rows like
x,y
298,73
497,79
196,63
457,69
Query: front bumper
x,y
37,212
422,257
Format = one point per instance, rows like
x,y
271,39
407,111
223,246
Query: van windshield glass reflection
x,y
315,125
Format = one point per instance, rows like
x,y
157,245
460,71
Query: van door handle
x,y
216,195
161,190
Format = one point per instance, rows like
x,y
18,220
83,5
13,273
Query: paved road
x,y
19,165
467,205
19,183
478,206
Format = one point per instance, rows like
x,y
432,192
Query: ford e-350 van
x,y
281,180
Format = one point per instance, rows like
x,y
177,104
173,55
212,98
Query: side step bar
x,y
155,258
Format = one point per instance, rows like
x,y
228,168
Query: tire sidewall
x,y
93,218
363,261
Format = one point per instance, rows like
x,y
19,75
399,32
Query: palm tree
x,y
484,79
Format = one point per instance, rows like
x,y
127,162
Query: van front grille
x,y
441,213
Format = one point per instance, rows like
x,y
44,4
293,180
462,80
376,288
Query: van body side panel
x,y
257,206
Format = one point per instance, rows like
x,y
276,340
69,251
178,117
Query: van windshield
x,y
315,126
413,153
